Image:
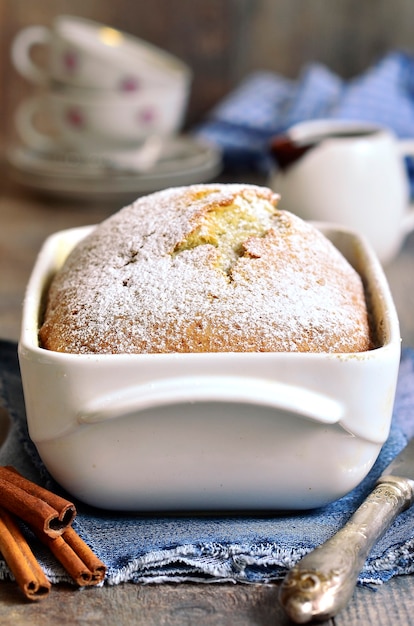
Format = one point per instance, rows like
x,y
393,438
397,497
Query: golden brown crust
x,y
206,268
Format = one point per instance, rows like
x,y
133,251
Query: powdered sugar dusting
x,y
124,290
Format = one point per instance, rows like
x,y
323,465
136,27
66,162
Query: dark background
x,y
224,40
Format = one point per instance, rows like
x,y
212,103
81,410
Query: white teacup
x,y
90,121
348,173
83,53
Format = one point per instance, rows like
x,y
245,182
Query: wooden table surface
x,y
25,221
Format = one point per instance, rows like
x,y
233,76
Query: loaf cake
x,y
205,268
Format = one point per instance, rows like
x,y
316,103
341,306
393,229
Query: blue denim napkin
x,y
266,104
238,548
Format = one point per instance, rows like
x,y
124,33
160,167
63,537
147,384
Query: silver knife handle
x,y
324,580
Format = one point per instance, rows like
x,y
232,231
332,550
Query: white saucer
x,y
184,160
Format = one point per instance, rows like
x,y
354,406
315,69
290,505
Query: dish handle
x,y
216,389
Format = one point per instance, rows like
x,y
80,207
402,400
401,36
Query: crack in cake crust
x,y
206,268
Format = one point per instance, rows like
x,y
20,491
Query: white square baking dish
x,y
210,431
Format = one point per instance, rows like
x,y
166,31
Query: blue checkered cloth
x,y
266,104
213,548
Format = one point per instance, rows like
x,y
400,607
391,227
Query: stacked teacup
x,y
102,92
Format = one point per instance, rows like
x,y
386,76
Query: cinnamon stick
x,y
37,506
50,518
76,557
21,560
93,563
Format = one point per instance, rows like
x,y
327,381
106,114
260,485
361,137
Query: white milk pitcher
x,y
348,173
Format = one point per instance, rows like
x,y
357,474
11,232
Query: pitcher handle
x,y
406,149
